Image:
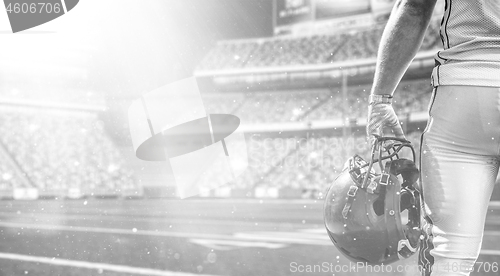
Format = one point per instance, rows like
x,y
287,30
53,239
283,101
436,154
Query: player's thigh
x,y
457,188
459,156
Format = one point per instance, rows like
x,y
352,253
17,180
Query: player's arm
x,y
400,42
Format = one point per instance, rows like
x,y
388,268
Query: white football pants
x,y
460,154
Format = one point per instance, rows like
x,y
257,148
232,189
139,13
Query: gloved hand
x,y
381,116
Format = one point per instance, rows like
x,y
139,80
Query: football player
x,y
460,147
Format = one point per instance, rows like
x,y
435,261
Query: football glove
x,y
381,115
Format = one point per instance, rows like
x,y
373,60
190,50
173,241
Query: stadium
x,y
76,200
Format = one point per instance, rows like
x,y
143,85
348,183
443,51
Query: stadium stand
x,y
309,160
8,177
307,50
307,164
282,106
61,150
45,93
313,104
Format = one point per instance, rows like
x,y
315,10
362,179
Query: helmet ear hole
x,y
405,200
378,206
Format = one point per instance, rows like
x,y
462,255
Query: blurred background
x,y
76,200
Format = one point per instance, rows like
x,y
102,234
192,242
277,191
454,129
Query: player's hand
x,y
382,116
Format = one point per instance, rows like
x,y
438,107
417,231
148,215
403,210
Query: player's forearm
x,y
400,42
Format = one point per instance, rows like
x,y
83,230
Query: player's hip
x,y
465,119
468,71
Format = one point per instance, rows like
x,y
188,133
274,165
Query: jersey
x,y
470,32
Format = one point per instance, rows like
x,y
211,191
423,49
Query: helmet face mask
x,y
363,206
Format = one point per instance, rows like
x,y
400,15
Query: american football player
x,y
460,147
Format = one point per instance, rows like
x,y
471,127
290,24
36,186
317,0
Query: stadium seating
x,y
8,176
52,94
308,164
62,150
305,50
313,105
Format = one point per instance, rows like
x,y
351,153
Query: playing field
x,y
174,237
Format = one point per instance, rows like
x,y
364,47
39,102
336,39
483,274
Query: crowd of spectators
x,y
226,103
313,105
307,163
8,176
315,49
303,50
282,106
52,95
229,55
62,150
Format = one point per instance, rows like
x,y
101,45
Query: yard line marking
x,y
90,265
133,231
321,230
122,217
228,244
237,236
250,236
285,235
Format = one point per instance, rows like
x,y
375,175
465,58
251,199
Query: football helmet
x,y
371,214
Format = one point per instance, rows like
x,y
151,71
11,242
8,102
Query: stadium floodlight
x,y
204,150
